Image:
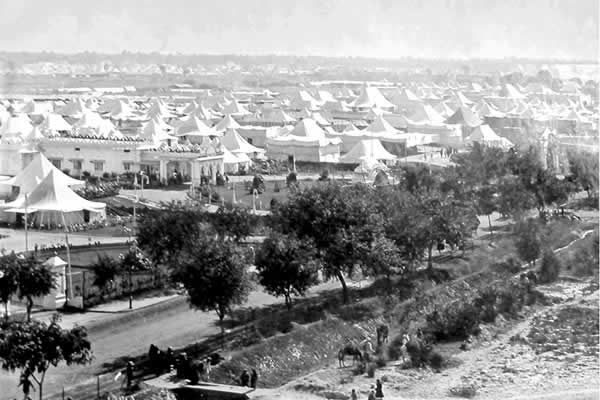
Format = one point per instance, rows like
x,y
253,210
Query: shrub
x,y
393,350
418,353
585,259
456,321
466,390
380,361
550,268
511,265
291,179
359,369
436,361
371,370
486,303
106,175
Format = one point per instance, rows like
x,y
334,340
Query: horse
x,y
382,334
349,350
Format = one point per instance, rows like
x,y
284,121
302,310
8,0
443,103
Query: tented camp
x,y
238,145
306,142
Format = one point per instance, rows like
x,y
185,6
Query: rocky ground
x,y
550,351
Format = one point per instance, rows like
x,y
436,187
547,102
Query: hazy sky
x,y
377,28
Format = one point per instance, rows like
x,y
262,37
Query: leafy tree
x,y
132,260
486,204
105,270
550,268
287,266
341,222
164,233
528,240
233,222
417,178
8,278
214,275
513,198
34,280
32,347
583,168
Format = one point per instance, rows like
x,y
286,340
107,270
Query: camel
x,y
349,350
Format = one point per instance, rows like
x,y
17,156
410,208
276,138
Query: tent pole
x,y
26,228
70,272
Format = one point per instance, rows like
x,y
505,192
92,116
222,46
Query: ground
x,y
506,362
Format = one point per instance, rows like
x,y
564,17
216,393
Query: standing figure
x,y
245,378
378,390
253,379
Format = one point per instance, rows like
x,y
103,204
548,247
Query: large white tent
x,y
306,142
238,145
53,203
484,135
365,149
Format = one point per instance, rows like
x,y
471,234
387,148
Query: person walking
x,y
371,394
129,373
378,390
253,379
353,395
26,383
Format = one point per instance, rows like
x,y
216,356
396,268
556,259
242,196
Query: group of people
x,y
249,380
194,371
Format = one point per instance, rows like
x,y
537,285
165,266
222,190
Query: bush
x,y
380,361
371,368
394,346
106,175
585,260
456,321
359,369
436,361
511,265
550,268
418,353
467,391
486,303
291,179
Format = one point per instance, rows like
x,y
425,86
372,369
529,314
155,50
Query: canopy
x,y
194,127
367,148
36,171
371,97
55,262
52,194
464,116
227,123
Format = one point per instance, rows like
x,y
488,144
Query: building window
x,y
77,149
56,163
127,151
98,166
77,165
127,166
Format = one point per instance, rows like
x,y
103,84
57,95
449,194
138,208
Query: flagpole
x,y
26,223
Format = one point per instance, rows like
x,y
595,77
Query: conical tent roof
x,y
74,108
237,144
120,111
55,262
37,170
16,126
426,114
511,92
485,135
280,116
194,127
380,125
307,127
365,149
34,136
36,108
462,100
55,123
155,132
227,123
464,116
486,110
371,97
444,109
190,107
52,194
235,108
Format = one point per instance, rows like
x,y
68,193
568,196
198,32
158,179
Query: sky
x,y
563,29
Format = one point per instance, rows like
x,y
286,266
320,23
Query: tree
x,y
8,278
341,222
528,240
583,168
486,204
287,266
32,347
133,260
550,268
232,222
513,198
34,280
105,270
214,274
166,232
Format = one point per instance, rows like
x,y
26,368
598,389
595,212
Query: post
x,y
130,289
98,387
26,227
70,272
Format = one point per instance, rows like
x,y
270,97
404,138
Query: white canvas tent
x,y
52,202
238,145
365,149
484,135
